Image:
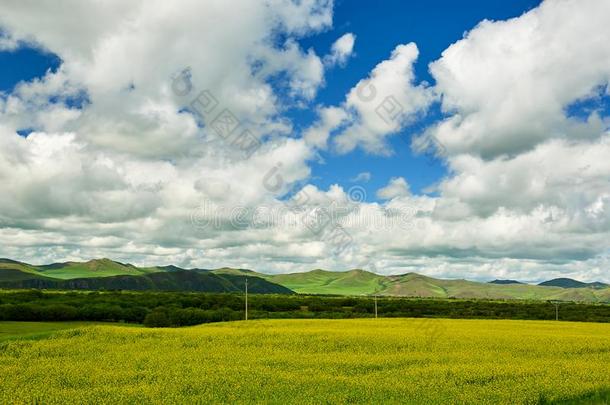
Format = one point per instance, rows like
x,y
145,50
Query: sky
x,y
453,139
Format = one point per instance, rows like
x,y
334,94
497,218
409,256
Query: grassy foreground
x,y
312,361
34,330
10,330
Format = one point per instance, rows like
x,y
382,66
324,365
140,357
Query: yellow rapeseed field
x,y
311,361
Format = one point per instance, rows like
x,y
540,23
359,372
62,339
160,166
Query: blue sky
x,y
24,64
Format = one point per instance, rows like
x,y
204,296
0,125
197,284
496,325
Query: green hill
x,y
8,274
105,274
92,268
236,272
570,283
69,270
184,280
9,264
352,282
360,282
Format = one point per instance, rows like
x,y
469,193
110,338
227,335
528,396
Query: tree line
x,y
158,309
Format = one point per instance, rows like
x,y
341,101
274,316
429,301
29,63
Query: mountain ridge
x,y
185,280
317,281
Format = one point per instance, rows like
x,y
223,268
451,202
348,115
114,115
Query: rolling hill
x,y
92,268
8,274
360,282
184,280
8,264
412,284
69,270
108,274
571,283
352,282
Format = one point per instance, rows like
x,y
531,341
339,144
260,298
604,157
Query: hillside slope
x,y
360,282
12,274
9,264
352,282
92,268
571,283
184,280
69,270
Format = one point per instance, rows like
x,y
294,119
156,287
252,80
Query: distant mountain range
x,y
111,275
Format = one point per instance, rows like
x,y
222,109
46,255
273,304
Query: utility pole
x,y
375,306
246,298
556,311
556,303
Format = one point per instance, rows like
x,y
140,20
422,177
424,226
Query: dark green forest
x,y
188,308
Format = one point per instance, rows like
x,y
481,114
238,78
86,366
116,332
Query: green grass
x,y
418,361
6,264
92,268
11,330
34,330
12,270
353,282
597,397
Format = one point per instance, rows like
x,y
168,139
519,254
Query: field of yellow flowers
x,y
311,361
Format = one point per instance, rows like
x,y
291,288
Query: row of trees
x,y
180,309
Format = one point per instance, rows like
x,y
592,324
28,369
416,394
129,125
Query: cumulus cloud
x,y
117,155
341,50
381,104
123,60
507,84
330,119
397,187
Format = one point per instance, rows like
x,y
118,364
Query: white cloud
x,y
341,50
397,187
330,118
363,177
305,69
125,58
7,43
129,168
383,103
507,83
